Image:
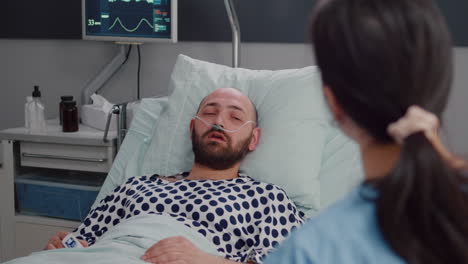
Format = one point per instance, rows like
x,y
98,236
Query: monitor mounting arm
x,y
96,83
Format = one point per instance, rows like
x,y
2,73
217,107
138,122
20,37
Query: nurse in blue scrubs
x,y
387,72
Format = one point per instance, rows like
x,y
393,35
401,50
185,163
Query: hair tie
x,y
415,120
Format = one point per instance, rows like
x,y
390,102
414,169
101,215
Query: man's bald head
x,y
243,101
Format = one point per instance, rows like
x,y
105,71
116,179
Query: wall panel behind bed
x,y
279,21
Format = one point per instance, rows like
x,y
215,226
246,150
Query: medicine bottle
x,y
37,124
61,105
70,117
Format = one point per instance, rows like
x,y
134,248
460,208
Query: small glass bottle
x,y
70,117
61,106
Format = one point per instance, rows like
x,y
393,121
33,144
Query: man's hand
x,y
179,250
55,242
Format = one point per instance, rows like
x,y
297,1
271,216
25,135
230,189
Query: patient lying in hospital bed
x,y
300,151
213,209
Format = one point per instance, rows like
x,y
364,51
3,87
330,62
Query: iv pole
x,y
235,27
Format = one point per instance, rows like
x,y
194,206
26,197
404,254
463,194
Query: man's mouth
x,y
217,136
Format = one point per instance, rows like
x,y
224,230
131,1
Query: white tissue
x,y
101,102
95,114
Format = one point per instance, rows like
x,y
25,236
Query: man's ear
x,y
256,134
333,105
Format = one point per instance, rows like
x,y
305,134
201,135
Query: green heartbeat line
x,y
130,30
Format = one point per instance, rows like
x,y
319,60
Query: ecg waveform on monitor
x,y
127,29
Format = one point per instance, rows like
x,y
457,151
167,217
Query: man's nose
x,y
219,121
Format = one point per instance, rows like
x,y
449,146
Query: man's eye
x,y
209,113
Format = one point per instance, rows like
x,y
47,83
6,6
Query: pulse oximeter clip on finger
x,y
70,241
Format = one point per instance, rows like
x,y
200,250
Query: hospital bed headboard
x,y
300,149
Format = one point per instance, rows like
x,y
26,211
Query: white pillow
x,y
292,114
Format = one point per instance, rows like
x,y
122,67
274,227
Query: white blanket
x,y
125,243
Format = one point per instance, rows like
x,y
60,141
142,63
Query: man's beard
x,y
215,156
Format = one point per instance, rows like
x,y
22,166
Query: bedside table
x,y
78,154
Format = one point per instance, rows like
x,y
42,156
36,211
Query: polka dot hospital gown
x,y
243,218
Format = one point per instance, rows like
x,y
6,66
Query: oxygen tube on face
x,y
217,127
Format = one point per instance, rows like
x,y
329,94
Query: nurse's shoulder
x,y
346,232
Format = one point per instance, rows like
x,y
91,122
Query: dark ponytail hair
x,y
379,57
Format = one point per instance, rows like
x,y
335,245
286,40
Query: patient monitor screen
x,y
123,19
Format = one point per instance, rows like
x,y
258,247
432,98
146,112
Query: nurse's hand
x,y
181,251
55,242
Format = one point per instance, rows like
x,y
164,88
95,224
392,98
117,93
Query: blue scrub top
x,y
347,232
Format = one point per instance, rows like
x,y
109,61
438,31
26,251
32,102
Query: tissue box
x,y
93,116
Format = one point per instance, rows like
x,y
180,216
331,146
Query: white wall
x,y
63,67
456,116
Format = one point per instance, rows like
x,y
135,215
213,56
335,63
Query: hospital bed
x,y
300,150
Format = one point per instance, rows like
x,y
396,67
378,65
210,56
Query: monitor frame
x,y
173,38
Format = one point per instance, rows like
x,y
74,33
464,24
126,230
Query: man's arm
x,y
181,250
